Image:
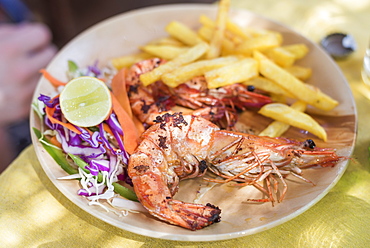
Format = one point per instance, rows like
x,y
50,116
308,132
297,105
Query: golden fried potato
x,y
300,72
191,55
296,87
298,50
237,30
236,72
129,60
255,32
218,35
268,85
232,31
280,56
259,43
228,47
278,128
166,41
284,113
164,51
183,33
198,68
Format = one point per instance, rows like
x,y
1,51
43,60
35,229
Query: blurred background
x,y
31,32
67,18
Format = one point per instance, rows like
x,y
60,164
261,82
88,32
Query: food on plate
x,y
138,146
259,43
268,85
215,42
179,147
219,105
278,128
299,50
183,33
185,73
293,117
190,55
253,57
300,90
85,101
127,61
285,56
300,72
164,51
95,155
233,73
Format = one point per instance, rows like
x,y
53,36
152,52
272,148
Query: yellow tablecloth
x,y
33,213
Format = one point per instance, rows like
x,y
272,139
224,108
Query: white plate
x,y
122,35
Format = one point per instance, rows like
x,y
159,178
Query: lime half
x,y
85,101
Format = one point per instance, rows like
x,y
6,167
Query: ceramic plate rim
x,y
158,234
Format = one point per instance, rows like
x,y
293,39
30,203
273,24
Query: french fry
x,y
237,30
227,45
183,33
268,85
278,98
236,72
164,51
206,21
278,128
218,34
296,87
284,113
281,56
187,72
129,60
300,72
259,43
298,50
191,55
205,32
254,32
232,31
166,41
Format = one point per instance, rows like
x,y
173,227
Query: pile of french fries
x,y
226,53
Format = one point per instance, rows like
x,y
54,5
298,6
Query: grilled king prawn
x,y
180,146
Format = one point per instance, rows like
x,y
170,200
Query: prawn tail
x,y
188,215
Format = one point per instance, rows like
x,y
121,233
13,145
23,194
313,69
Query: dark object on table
x,y
19,135
339,45
15,11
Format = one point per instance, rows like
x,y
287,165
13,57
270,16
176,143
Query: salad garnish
x,y
94,155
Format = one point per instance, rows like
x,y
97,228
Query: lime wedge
x,y
85,101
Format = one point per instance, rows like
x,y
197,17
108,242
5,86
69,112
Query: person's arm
x,y
25,48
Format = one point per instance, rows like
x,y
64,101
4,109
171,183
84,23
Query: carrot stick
x,y
120,92
55,82
139,125
50,112
131,135
55,142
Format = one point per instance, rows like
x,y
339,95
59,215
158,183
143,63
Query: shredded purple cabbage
x,y
94,148
92,190
98,165
94,69
46,100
